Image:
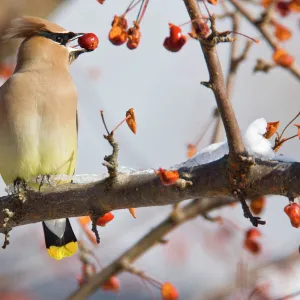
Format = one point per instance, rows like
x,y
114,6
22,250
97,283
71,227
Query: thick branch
x,y
261,26
141,190
218,86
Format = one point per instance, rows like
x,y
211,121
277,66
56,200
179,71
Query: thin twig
x,y
261,26
285,128
103,120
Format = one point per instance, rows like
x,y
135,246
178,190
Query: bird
x,y
38,116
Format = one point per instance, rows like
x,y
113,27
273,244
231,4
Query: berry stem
x,y
291,137
207,126
285,128
191,21
208,12
148,288
246,36
131,6
129,116
142,11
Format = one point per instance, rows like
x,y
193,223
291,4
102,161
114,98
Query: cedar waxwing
x,y
38,116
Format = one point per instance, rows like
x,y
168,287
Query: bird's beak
x,y
77,35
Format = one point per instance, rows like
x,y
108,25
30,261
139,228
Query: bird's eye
x,y
59,39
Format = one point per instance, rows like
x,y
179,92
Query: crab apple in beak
x,y
88,41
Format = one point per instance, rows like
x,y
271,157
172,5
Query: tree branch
x,y
234,63
179,216
141,190
262,28
217,84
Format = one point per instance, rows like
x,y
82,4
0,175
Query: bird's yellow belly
x,y
37,152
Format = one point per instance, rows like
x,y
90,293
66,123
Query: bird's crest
x,y
26,27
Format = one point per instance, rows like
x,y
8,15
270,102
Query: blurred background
x,y
202,259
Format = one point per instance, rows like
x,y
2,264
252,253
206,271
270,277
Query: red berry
x,y
175,32
112,284
252,246
169,292
252,234
105,219
118,34
120,21
176,40
283,8
295,223
292,209
134,36
88,41
167,177
80,280
293,212
257,205
174,46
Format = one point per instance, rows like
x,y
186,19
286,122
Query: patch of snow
x,y
255,142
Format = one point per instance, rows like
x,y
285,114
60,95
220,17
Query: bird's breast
x,y
38,125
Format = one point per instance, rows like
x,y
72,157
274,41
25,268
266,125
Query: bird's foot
x,y
19,185
43,179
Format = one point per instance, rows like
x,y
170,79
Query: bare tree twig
x,y
261,26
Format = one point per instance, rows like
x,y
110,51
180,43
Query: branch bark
x,y
141,190
217,84
234,63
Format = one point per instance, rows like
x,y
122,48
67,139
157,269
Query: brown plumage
x,y
26,27
38,106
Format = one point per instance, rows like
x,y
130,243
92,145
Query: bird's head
x,y
44,40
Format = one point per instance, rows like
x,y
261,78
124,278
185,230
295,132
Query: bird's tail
x,y
60,239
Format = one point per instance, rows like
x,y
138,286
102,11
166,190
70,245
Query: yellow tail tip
x,y
59,253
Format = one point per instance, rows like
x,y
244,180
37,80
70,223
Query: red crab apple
x,y
88,41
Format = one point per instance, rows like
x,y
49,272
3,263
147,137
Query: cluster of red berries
x,y
119,33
